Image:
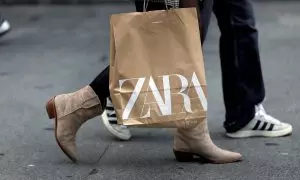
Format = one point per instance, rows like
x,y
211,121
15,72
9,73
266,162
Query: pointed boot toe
x,y
70,111
195,144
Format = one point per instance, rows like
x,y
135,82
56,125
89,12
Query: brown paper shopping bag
x,y
157,76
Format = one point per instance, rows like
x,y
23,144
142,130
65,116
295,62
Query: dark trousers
x,y
242,79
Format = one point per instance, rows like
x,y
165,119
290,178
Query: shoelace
x,y
262,114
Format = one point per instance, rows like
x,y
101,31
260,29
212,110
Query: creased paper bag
x,y
157,76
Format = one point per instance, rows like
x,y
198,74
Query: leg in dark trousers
x,y
242,78
101,85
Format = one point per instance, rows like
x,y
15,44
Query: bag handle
x,y
146,5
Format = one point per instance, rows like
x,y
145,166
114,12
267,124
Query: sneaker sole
x,y
108,126
245,134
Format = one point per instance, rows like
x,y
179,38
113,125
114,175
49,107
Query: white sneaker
x,y
110,122
263,125
4,27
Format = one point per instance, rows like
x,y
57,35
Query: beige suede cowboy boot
x,y
196,142
70,111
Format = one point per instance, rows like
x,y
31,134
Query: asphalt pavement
x,y
58,49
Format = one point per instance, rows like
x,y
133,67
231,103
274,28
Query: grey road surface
x,y
59,49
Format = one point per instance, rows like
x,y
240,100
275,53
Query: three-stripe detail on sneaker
x,y
111,113
265,126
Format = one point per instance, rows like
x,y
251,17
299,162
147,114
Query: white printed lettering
x,y
186,98
164,102
165,107
199,91
133,97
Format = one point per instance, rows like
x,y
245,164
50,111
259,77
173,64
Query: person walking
x,y
71,110
242,79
